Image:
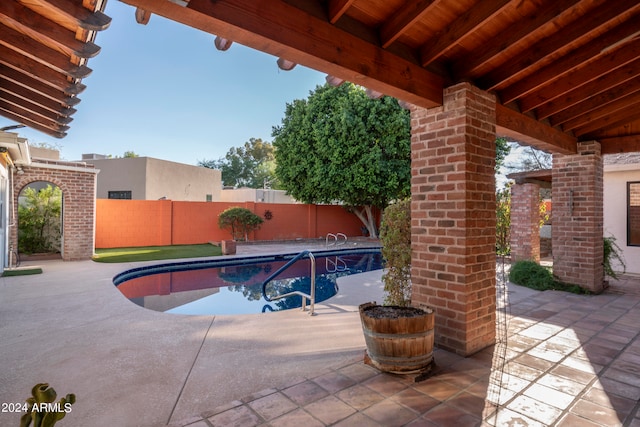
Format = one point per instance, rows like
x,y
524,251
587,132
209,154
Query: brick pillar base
x,y
577,236
525,222
454,218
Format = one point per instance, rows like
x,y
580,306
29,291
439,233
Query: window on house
x,y
120,195
633,213
209,198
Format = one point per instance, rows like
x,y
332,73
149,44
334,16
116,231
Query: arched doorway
x,y
40,207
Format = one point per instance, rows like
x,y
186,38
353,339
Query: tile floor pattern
x,y
567,360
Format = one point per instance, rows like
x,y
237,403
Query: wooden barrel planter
x,y
399,339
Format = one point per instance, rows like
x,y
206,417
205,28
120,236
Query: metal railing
x,y
311,297
336,239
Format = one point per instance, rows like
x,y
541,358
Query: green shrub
x,y
612,252
532,275
395,237
240,222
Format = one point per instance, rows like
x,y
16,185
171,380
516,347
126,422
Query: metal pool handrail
x,y
312,297
335,239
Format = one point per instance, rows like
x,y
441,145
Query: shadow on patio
x,y
561,360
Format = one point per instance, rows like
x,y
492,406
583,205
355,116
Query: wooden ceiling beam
x,y
37,27
28,47
36,99
468,67
32,124
620,144
49,123
628,100
593,51
596,101
462,27
582,76
576,95
70,14
38,85
620,114
575,35
43,74
27,105
282,30
14,58
52,101
410,13
529,131
337,8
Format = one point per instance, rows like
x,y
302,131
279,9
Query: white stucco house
x,y
622,205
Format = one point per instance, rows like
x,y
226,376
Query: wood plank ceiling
x,y
562,70
44,48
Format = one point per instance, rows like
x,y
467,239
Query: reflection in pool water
x,y
199,288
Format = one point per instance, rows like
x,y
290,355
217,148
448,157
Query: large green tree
x,y
251,165
339,145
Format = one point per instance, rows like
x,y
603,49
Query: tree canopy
x,y
251,165
341,146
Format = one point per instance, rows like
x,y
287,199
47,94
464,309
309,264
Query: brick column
x,y
454,218
577,236
525,222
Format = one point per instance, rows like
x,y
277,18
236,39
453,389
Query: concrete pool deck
x,y
564,360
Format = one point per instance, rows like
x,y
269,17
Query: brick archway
x,y
78,185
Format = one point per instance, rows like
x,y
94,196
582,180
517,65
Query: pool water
x,y
234,285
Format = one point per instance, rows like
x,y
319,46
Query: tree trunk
x,y
366,216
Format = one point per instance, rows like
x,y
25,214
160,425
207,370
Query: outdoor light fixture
x,y
222,43
285,65
334,81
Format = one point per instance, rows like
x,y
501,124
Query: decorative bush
x,y
612,252
39,220
395,237
532,275
240,222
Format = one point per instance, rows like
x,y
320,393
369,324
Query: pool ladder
x,y
336,237
312,297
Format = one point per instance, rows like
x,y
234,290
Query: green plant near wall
x,y
42,409
39,220
503,221
612,252
240,221
395,238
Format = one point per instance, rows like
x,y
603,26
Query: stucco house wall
x,y
151,179
618,171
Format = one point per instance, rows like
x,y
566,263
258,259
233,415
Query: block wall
x,y
453,217
578,217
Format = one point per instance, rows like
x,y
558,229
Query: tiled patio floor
x,y
562,360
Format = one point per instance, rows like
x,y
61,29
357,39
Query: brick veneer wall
x,y
525,222
454,218
78,187
578,217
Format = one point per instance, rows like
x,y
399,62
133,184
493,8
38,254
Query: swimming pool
x,y
235,285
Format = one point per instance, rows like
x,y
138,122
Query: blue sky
x,y
163,90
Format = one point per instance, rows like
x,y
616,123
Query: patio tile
x,y
357,420
582,365
437,389
622,376
329,410
359,371
359,397
240,416
561,384
596,413
535,409
531,361
573,374
573,420
446,416
334,381
549,396
295,419
272,406
616,387
415,400
390,413
622,405
507,417
523,371
470,403
385,384
305,392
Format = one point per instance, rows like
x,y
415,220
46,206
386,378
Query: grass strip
x,y
21,272
153,253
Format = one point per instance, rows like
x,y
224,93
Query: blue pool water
x,y
234,286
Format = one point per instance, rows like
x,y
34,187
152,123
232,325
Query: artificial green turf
x,y
152,253
22,272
